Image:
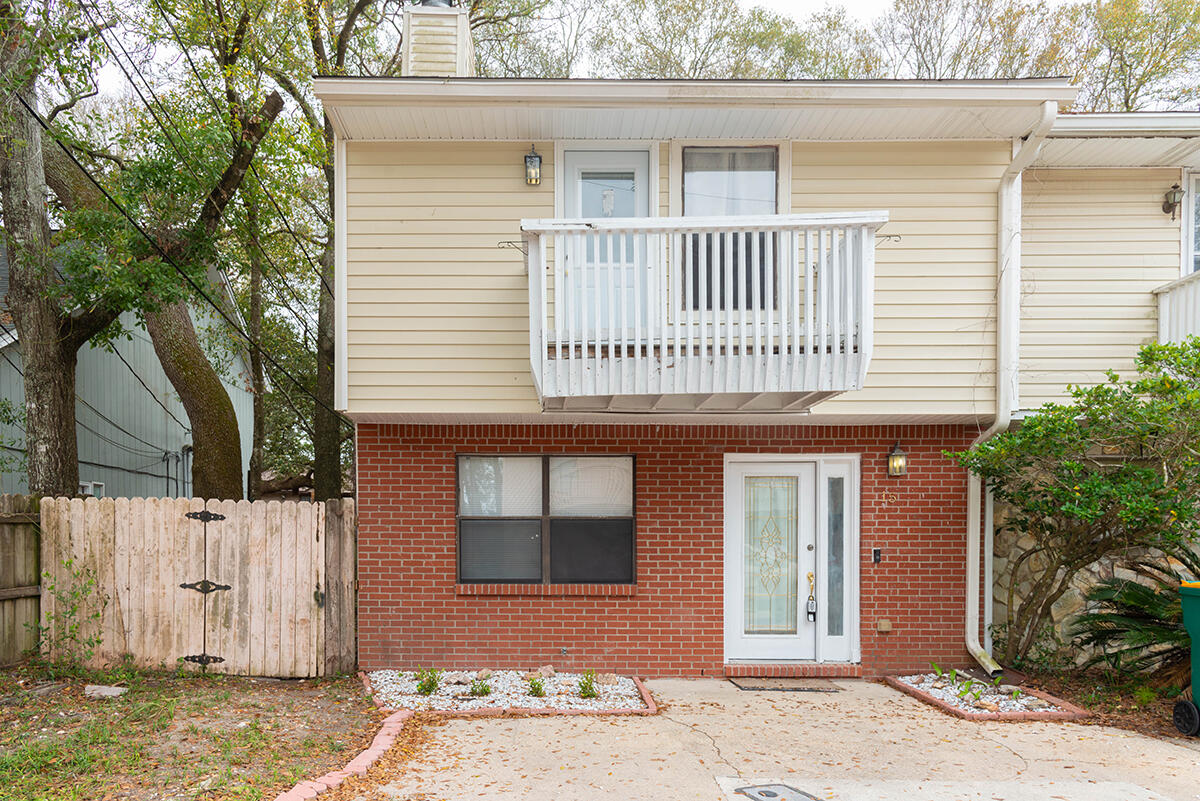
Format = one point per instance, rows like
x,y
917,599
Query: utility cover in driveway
x,y
775,792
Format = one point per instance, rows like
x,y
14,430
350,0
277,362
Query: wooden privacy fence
x,y
18,576
270,585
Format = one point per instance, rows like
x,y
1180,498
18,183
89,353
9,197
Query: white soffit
x,y
523,110
1136,139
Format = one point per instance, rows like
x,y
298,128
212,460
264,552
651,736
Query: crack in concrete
x,y
709,737
1009,749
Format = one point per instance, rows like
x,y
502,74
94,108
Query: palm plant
x,y
1136,625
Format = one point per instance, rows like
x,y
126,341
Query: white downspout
x,y
1008,309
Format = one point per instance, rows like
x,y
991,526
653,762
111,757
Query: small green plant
x,y
937,669
1144,696
72,632
536,688
1016,694
480,688
428,680
587,685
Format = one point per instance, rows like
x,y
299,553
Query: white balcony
x,y
1179,309
711,314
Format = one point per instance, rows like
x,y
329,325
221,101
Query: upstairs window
x,y
545,519
730,182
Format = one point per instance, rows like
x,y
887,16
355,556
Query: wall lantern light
x,y
1172,199
533,167
897,461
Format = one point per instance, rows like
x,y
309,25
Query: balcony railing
x,y
1179,309
700,313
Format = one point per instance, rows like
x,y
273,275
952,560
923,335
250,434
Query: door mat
x,y
786,685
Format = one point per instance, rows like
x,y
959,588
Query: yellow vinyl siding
x,y
1095,243
437,310
437,313
935,288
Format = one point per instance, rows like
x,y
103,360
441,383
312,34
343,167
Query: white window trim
x,y
783,167
561,146
828,464
1189,180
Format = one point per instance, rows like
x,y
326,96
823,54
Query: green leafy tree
x,y
51,46
1117,469
1131,55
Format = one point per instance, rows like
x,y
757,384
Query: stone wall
x,y
1008,545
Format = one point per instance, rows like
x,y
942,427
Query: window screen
x,y
573,514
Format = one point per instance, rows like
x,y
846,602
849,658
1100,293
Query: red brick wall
x,y
411,615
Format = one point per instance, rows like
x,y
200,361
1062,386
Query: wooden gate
x,y
18,576
270,585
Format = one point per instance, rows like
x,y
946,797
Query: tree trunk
x,y
217,454
257,378
327,440
49,358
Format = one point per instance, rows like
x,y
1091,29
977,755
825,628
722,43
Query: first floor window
x,y
545,519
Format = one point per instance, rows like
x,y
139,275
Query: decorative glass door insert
x,y
771,570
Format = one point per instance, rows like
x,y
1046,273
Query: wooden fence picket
x,y
290,566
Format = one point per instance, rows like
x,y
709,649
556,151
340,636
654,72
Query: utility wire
x,y
175,265
151,392
217,106
304,323
136,451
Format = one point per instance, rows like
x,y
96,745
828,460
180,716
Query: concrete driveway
x,y
866,742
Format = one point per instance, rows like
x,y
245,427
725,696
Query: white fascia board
x,y
1135,124
626,93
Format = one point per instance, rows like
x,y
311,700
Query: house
x,y
657,376
131,430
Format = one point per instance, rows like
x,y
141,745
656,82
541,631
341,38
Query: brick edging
x,y
520,711
393,724
1066,711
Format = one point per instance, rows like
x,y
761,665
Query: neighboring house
x,y
131,430
660,441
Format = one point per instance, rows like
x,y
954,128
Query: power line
x,y
171,261
304,324
217,106
98,413
136,375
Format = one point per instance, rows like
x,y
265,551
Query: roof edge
x,y
1127,124
603,92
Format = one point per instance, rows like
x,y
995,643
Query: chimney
x,y
437,41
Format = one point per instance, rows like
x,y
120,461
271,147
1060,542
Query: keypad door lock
x,y
812,599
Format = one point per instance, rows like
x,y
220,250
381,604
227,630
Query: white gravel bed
x,y
510,689
991,699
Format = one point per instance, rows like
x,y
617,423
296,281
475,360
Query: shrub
x,y
1113,470
480,688
587,685
536,688
428,680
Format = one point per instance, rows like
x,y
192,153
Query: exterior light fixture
x,y
1172,199
897,461
533,167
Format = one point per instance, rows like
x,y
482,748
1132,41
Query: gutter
x,y
1008,285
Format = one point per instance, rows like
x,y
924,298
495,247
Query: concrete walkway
x,y
866,742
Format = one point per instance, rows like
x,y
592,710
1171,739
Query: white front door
x,y
613,184
790,532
